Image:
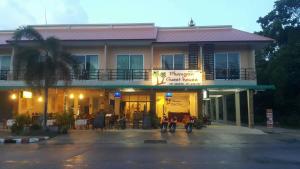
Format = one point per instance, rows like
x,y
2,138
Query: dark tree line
x,y
279,64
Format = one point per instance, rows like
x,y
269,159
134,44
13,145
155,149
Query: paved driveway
x,y
218,146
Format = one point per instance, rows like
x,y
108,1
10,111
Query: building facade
x,y
130,68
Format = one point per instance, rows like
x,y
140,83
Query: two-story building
x,y
128,68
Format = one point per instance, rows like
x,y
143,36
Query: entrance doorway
x,y
134,106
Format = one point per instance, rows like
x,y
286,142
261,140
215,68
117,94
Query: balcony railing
x,y
232,74
137,74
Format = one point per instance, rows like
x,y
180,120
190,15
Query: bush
x,y
198,123
155,122
22,121
64,122
35,127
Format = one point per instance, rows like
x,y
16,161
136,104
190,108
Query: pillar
x,y
250,108
153,102
237,109
117,106
199,105
211,111
76,105
224,103
217,108
206,107
91,106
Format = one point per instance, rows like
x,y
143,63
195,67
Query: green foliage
x,y
42,63
279,62
22,121
198,123
35,127
155,122
64,121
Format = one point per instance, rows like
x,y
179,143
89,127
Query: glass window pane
x,y
122,66
92,66
136,64
221,65
179,62
233,66
167,62
80,61
5,62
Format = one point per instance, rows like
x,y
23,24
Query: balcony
x,y
139,74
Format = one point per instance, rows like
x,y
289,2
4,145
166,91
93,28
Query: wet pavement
x,y
218,146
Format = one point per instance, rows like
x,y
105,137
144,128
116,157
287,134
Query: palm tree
x,y
42,61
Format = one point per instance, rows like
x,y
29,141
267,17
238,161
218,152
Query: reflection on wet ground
x,y
217,146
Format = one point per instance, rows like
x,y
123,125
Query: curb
x,y
22,140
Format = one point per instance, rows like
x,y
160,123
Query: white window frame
x,y
239,57
173,55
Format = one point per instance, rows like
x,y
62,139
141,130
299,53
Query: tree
x,y
42,61
279,62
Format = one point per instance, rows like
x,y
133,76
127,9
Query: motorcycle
x,y
172,126
164,126
189,126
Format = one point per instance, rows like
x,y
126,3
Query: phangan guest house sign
x,y
176,77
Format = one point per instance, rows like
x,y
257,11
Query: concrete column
x,y
76,106
199,104
211,112
117,106
206,107
250,108
104,59
237,109
91,106
153,102
217,108
224,103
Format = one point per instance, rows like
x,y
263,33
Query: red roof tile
x,y
207,35
148,32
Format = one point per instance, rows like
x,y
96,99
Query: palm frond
x,y
53,46
27,33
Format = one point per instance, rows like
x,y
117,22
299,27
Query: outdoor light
x,y
117,94
169,95
40,99
13,96
26,95
128,90
205,94
71,96
81,96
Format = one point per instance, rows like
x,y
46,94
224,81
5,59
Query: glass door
x,y
136,66
122,66
220,65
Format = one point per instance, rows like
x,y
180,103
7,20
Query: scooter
x,y
164,126
189,126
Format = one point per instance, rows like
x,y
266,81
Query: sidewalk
x,y
278,130
7,137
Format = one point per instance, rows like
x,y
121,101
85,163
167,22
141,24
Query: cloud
x,y
14,13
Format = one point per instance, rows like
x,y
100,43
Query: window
x,y
4,62
227,66
130,67
4,67
173,62
87,65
